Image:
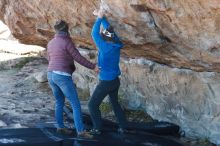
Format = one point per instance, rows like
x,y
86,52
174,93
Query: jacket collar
x,y
62,34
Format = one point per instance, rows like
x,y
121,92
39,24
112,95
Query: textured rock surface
x,y
187,98
41,77
24,101
182,35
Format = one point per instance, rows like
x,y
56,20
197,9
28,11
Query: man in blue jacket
x,y
109,46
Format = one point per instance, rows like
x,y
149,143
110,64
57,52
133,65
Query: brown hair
x,y
61,25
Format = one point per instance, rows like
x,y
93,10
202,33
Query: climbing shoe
x,y
84,135
64,131
95,132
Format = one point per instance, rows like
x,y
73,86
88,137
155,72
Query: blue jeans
x,y
103,89
63,86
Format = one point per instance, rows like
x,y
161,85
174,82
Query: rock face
x,y
183,34
187,98
181,39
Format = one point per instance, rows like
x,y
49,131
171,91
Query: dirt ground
x,y
24,101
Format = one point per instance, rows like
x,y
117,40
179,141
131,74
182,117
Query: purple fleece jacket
x,y
61,54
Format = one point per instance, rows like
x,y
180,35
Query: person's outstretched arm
x,y
96,29
78,57
96,32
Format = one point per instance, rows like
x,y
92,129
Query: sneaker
x,y
85,135
64,131
95,132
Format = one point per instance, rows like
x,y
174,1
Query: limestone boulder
x,y
182,34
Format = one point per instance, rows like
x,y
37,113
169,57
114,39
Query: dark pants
x,y
103,89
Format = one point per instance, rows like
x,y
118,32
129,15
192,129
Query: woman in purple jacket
x,y
62,53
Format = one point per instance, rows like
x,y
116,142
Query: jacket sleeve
x,y
105,23
78,57
97,38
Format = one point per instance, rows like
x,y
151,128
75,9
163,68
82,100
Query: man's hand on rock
x,y
99,13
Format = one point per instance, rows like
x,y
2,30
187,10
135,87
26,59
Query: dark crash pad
x,y
138,134
155,127
46,135
26,137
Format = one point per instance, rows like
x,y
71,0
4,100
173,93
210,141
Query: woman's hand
x,y
96,69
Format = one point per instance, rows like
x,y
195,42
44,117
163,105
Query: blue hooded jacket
x,y
108,52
